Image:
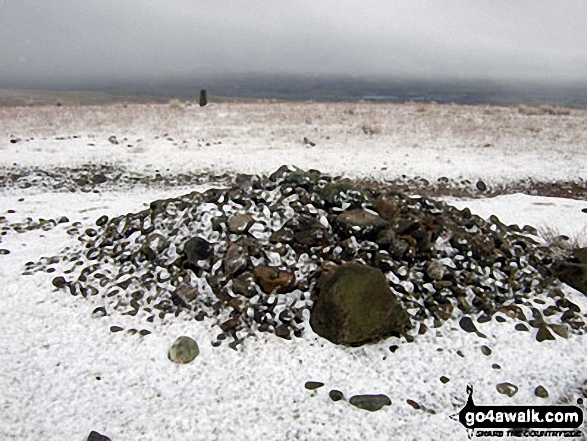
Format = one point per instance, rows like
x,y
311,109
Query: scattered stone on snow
x,y
311,385
371,403
508,389
541,392
95,436
336,395
184,350
413,403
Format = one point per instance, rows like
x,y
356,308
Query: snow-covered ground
x,y
63,373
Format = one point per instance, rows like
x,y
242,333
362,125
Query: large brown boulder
x,y
573,271
353,305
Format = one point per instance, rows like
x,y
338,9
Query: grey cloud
x,y
109,39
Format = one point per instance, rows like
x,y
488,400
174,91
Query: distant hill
x,y
308,87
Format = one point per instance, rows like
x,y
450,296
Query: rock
x,y
541,392
273,280
360,223
353,305
467,324
336,395
186,293
560,330
229,324
370,402
508,389
521,327
544,334
244,285
335,193
485,350
481,186
435,270
393,348
414,404
59,282
386,208
311,385
444,379
283,331
184,350
235,259
196,249
112,140
95,436
239,223
308,231
573,271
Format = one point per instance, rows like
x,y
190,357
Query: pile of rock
x,y
268,252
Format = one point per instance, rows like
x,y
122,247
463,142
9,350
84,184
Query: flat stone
x,y
239,223
371,403
360,223
311,385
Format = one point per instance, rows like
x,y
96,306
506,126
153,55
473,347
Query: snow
x,y
63,373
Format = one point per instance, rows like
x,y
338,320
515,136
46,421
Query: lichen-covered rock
x,y
354,305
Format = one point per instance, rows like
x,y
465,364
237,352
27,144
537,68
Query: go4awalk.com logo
x,y
521,421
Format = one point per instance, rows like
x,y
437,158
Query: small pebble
x,y
541,392
336,395
311,385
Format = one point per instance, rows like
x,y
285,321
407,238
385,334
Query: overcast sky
x,y
89,40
